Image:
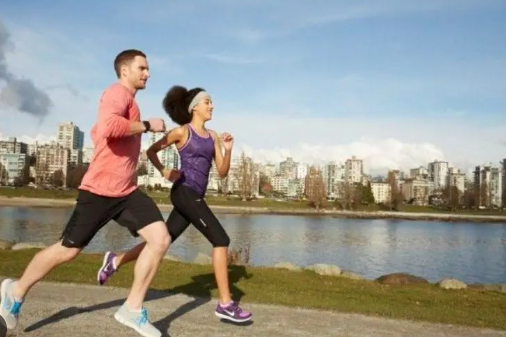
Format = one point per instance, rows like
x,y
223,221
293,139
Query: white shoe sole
x,y
232,319
3,291
104,263
133,326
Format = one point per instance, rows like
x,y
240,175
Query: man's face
x,y
137,72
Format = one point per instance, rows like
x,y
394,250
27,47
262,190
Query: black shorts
x,y
92,212
189,207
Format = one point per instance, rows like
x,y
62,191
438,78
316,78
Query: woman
x,y
197,147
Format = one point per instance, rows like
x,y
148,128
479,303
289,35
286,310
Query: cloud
x,y
379,156
20,93
38,138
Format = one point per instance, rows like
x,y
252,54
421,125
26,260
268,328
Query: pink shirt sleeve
x,y
113,106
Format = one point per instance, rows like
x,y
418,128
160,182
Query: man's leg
x,y
142,217
90,214
176,224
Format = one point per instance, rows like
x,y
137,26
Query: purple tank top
x,y
196,160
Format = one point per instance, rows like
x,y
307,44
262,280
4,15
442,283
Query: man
x,y
108,192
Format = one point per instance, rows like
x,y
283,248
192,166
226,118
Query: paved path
x,y
62,310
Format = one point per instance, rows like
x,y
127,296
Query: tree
x,y
395,192
75,176
4,175
24,177
142,170
56,179
265,185
245,176
315,188
452,197
421,195
367,195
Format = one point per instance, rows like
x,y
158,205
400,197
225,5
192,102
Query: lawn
x,y
298,289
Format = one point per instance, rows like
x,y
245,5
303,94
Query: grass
x,y
297,289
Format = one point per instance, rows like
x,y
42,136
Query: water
x,y
434,250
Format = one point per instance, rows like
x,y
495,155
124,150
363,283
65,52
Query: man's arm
x,y
111,115
221,161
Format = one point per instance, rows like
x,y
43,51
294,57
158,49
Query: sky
x,y
396,83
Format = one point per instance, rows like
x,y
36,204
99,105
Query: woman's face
x,y
204,109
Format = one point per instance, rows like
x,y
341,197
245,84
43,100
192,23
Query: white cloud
x,y
379,156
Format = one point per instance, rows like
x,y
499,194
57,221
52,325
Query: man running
x,y
108,192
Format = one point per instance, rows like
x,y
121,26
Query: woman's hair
x,y
176,103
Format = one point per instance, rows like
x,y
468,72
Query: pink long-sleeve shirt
x,y
113,168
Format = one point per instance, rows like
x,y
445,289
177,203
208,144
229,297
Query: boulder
x,y
287,265
203,259
451,283
6,245
401,279
28,245
351,275
325,269
171,258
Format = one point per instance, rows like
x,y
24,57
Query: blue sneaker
x,y
9,305
107,268
137,321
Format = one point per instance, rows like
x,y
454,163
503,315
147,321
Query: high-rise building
x,y
12,167
488,185
12,145
51,158
70,137
354,170
438,173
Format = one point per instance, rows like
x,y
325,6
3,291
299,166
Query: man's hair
x,y
125,57
176,103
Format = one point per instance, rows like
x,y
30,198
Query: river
x,y
470,252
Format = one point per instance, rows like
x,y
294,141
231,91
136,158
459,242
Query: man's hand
x,y
157,125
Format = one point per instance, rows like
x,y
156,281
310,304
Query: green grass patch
x,y
297,289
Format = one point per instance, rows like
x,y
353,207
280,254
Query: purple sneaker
x,y
233,312
107,268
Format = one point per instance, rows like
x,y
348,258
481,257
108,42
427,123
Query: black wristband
x,y
146,125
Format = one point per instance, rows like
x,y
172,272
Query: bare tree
x,y
396,196
315,188
452,197
345,195
4,174
246,177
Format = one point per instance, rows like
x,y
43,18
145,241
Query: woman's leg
x,y
195,209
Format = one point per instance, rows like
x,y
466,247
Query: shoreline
x,y
418,216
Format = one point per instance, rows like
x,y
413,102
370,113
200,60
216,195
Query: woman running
x,y
197,147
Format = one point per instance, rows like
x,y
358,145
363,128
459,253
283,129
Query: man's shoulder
x,y
117,91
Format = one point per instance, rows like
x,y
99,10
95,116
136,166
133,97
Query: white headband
x,y
197,99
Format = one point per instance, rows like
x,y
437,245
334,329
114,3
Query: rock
x,y
325,269
351,275
400,279
451,283
171,258
488,287
203,259
6,245
287,265
28,245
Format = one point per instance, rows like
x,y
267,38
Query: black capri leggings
x,y
189,207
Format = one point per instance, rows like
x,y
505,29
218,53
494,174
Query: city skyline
x,y
80,140
398,85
